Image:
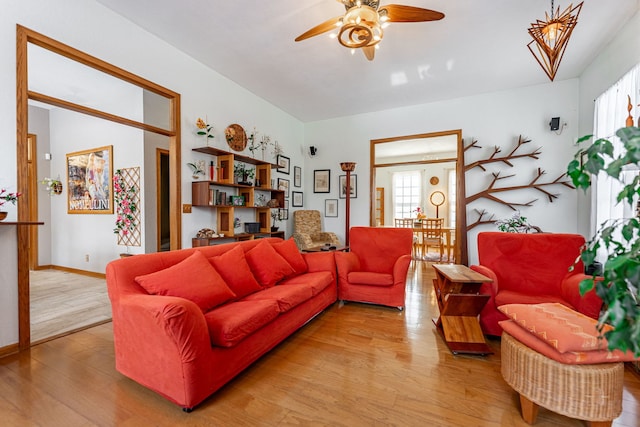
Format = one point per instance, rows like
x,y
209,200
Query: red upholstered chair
x,y
375,269
531,269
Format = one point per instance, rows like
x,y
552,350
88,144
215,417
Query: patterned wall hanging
x,y
126,189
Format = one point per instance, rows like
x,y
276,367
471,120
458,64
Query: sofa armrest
x,y
303,241
400,270
346,262
146,326
488,288
588,304
327,237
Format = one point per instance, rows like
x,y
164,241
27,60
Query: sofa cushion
x,y
193,279
570,357
505,296
557,325
316,281
290,252
232,322
287,297
267,265
370,278
235,270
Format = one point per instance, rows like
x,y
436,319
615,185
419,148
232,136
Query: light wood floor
x,y
62,302
354,365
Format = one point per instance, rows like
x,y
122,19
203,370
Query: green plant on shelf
x,y
244,173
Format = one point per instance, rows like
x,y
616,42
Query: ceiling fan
x,y
361,26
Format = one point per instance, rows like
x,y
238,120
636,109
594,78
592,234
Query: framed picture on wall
x,y
284,214
331,207
283,164
321,181
297,176
90,181
342,185
297,199
283,184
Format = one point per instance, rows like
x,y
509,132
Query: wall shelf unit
x,y
216,194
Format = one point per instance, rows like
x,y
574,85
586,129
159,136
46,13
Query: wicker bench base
x,y
585,392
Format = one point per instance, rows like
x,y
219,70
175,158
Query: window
x,y
406,193
451,190
610,115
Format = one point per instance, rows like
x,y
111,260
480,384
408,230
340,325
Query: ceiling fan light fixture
x,y
551,36
361,28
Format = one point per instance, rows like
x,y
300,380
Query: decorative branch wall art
x,y
494,190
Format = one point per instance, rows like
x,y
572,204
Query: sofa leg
x,y
401,308
187,410
529,410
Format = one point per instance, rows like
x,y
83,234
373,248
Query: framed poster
x,y
321,181
342,185
283,164
90,181
283,184
331,207
297,199
284,214
297,176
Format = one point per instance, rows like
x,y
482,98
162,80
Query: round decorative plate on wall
x,y
236,137
434,180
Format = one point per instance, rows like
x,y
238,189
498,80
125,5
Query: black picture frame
x,y
284,164
331,207
342,186
297,199
322,181
283,184
297,176
284,214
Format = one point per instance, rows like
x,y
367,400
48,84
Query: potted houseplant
x,y
244,173
516,223
620,286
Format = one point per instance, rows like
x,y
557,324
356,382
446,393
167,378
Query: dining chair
x,y
431,235
408,223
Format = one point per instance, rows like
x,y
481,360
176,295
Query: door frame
x,y
24,36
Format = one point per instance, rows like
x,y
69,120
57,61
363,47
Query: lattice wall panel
x,y
131,179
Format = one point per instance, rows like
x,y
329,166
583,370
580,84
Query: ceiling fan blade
x,y
327,25
369,52
400,13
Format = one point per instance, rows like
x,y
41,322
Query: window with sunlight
x,y
406,193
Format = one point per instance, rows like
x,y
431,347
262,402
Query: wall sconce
x,y
313,150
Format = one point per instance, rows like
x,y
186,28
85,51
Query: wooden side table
x,y
457,292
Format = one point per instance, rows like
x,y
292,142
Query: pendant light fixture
x,y
551,36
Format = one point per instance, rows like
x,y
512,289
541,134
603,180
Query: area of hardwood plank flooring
x,y
353,365
63,302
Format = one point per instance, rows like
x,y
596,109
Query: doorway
x,y
26,38
162,200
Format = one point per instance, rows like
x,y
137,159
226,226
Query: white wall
x,y
493,119
92,28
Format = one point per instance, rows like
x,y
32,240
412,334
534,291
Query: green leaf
x,y
586,285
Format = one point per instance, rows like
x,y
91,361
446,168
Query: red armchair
x,y
375,269
531,269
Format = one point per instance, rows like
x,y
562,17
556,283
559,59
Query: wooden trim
x,y
32,147
96,113
78,271
9,349
24,36
461,214
159,153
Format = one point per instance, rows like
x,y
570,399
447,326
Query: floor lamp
x,y
347,167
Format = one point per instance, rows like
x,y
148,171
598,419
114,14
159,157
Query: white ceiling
x,y
479,47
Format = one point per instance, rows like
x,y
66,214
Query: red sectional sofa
x,y
186,322
531,269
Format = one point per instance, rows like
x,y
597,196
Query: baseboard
x,y
10,349
78,271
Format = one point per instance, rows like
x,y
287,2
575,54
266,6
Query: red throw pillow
x,y
267,265
289,251
234,269
193,278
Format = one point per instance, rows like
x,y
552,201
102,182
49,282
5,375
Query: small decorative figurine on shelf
x,y
197,168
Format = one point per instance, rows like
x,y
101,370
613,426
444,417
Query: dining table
x,y
446,231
